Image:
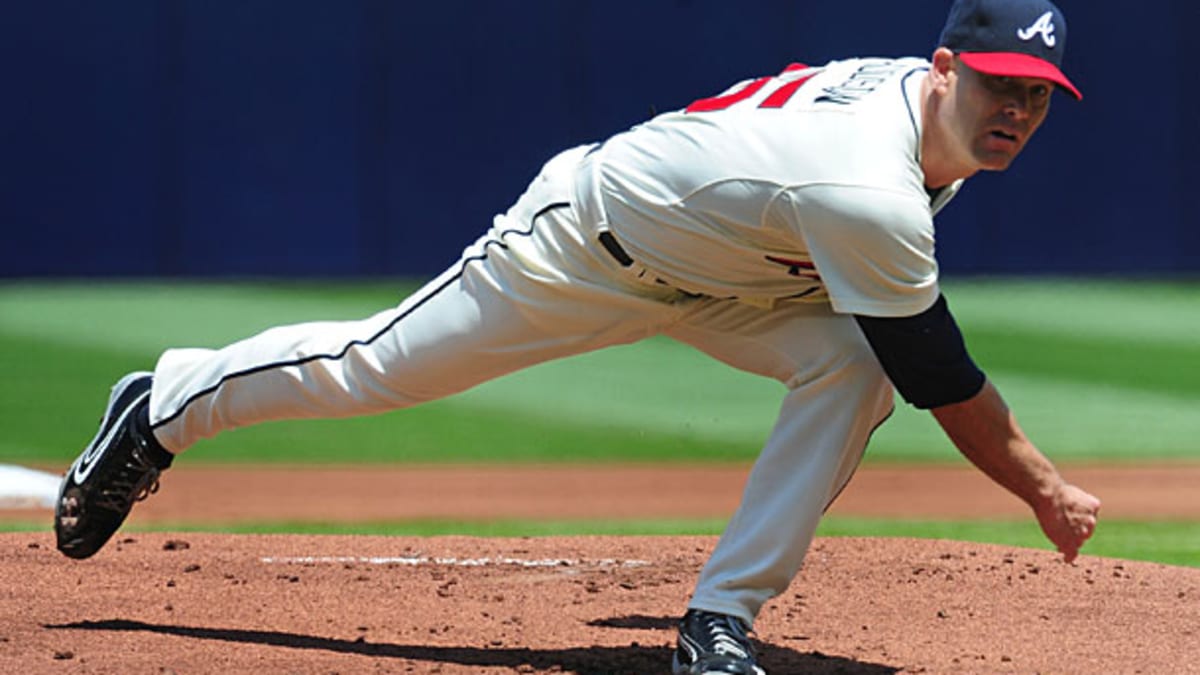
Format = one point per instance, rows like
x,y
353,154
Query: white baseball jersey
x,y
803,185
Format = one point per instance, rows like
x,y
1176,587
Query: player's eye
x,y
998,83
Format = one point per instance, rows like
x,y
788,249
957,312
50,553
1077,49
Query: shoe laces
x,y
725,635
136,480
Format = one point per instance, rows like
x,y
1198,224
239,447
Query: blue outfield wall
x,y
371,137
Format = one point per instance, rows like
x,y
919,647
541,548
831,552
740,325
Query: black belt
x,y
609,242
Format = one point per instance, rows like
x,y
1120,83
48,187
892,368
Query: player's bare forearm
x,y
987,433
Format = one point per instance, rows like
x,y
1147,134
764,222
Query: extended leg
x,y
536,287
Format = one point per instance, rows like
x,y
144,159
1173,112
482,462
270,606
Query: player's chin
x,y
995,154
995,161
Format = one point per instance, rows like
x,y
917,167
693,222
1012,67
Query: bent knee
x,y
854,371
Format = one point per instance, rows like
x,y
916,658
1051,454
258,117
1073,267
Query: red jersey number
x,y
776,99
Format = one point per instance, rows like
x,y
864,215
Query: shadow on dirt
x,y
775,658
638,622
633,660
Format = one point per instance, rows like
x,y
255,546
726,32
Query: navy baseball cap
x,y
1013,38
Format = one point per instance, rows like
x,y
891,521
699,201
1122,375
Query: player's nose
x,y
1018,105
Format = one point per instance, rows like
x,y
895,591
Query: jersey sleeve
x,y
873,248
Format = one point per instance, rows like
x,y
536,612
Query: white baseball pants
x,y
538,286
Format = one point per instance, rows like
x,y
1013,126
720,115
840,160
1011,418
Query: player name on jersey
x,y
861,82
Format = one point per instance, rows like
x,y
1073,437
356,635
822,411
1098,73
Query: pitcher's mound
x,y
596,605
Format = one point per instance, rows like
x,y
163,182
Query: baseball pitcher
x,y
783,226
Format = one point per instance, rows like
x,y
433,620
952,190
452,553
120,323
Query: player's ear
x,y
943,69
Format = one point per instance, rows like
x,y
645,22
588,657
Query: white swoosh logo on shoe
x,y
91,457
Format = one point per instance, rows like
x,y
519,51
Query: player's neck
x,y
939,161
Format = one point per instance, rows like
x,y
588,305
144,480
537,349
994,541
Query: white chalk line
x,y
447,562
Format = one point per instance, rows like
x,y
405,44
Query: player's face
x,y
995,116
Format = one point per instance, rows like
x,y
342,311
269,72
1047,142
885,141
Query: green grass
x,y
1168,542
1095,371
1172,543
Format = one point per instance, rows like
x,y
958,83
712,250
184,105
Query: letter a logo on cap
x,y
1043,26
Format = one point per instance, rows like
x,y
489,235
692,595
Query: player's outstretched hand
x,y
1069,519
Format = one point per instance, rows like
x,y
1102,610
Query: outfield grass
x,y
1095,371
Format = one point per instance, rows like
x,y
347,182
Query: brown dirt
x,y
227,494
590,605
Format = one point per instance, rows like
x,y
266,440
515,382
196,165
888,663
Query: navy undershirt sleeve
x,y
924,356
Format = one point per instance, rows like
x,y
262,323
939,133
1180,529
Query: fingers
x,y
1082,525
1083,514
1069,545
1071,521
1079,533
1079,520
1085,526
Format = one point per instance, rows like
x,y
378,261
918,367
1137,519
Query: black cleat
x,y
119,467
713,644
